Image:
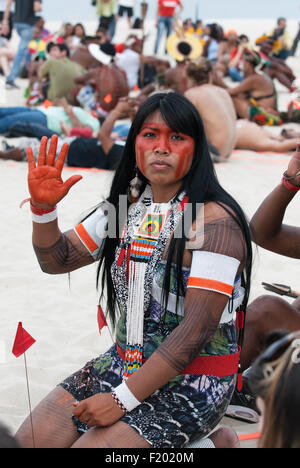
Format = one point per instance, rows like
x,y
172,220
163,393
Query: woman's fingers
x,y
52,151
71,181
42,151
30,159
59,164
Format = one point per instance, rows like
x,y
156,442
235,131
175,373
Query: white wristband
x,y
45,218
126,397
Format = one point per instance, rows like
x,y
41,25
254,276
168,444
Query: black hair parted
x,y
200,184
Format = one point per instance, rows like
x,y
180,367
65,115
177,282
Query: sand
x,y
62,316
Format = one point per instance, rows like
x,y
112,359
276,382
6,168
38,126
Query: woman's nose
x,y
161,151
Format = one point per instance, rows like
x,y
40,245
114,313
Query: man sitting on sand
x,y
106,82
214,105
222,128
61,72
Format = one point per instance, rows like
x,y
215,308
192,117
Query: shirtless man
x,y
214,105
176,79
107,79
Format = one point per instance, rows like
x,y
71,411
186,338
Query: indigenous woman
x,y
173,285
255,97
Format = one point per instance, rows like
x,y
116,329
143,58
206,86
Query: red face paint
x,y
162,152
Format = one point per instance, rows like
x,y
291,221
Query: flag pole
x,y
28,390
29,400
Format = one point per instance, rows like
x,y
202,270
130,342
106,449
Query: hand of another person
x,y
45,184
5,29
99,410
293,170
124,107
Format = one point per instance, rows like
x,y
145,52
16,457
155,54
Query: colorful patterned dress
x,y
187,407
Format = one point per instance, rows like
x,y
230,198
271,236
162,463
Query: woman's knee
x,y
51,424
264,307
119,435
270,312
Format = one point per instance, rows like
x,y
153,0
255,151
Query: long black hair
x,y
200,184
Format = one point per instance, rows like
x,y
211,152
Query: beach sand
x,y
61,316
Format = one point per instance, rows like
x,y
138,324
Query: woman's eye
x,y
148,134
177,138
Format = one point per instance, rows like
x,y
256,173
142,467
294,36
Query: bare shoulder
x,y
216,229
195,91
213,211
209,216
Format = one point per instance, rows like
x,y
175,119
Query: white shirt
x,y
127,3
3,4
129,61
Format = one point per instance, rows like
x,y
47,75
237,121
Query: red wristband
x,y
292,188
40,211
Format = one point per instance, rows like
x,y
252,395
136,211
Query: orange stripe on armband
x,y
210,284
86,238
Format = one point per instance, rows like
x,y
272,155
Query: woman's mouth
x,y
160,165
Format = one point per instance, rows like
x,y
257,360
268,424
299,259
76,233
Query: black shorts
x,y
87,152
128,10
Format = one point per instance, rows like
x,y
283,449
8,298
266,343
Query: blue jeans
x,y
25,32
110,23
164,23
235,74
11,115
283,54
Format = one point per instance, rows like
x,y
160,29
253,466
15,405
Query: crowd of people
x,y
75,80
160,122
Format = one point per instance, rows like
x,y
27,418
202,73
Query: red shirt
x,y
167,7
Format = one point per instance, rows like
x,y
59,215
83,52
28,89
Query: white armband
x,y
93,231
213,272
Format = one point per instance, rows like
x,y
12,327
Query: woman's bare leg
x,y
52,423
253,137
119,435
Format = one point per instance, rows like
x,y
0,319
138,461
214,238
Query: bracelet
x,y
285,181
41,216
125,397
119,403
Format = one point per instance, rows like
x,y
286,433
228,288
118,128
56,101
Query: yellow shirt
x,y
106,9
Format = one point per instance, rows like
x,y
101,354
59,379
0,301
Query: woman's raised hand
x,y
45,184
293,172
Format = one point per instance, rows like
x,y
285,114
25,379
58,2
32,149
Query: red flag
x,y
23,341
101,319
